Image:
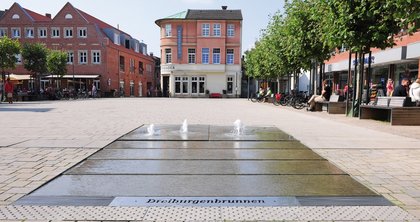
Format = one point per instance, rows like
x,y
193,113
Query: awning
x,y
75,76
19,77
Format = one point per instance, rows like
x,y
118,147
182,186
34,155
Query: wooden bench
x,y
393,110
333,106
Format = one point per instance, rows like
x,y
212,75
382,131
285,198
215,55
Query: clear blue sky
x,y
137,17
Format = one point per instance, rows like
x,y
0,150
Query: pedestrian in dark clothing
x,y
402,89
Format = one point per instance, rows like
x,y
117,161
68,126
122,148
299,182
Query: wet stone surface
x,y
207,162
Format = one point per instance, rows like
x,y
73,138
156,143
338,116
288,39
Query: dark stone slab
x,y
169,132
344,201
203,185
207,154
64,201
287,144
194,167
250,133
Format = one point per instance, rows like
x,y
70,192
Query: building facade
x,y
98,53
201,53
401,61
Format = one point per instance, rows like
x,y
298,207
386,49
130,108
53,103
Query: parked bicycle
x,y
257,98
297,100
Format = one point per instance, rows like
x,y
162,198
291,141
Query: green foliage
x,y
312,30
57,63
9,49
35,58
362,24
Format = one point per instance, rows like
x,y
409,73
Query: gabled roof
x,y
101,24
214,14
204,14
37,17
31,15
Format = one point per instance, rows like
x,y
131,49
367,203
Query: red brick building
x,y
201,53
97,52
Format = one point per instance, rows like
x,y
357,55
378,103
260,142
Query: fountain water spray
x,y
184,127
238,127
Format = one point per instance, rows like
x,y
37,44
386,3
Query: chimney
x,y
151,54
224,7
48,15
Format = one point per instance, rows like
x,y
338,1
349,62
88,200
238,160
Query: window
x,y
229,56
122,63
184,84
191,56
205,29
18,59
177,84
205,55
216,29
197,84
70,57
15,16
42,32
29,32
168,55
68,16
15,32
55,32
117,39
83,57
168,30
82,32
181,84
194,84
216,56
148,68
3,32
141,68
68,32
229,84
96,57
132,65
230,30
202,81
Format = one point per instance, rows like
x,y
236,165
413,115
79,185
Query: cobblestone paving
x,y
24,169
42,139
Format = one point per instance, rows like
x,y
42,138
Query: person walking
x,y
93,90
8,88
389,87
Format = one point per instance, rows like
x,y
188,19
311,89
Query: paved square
x,y
42,145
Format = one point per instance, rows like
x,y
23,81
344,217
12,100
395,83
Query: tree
x,y
364,24
57,63
35,60
9,49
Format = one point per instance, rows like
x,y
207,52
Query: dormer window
x,y
15,16
68,16
117,39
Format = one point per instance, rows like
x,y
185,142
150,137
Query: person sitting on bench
x,y
325,96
